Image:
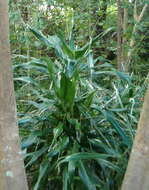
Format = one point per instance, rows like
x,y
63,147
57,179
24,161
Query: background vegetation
x,y
80,72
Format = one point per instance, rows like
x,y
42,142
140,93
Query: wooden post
x,y
137,174
12,173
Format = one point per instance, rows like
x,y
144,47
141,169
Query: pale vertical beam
x,y
137,174
12,173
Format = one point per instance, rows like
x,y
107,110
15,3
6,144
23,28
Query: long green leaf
x,y
60,146
36,155
27,80
29,141
110,117
42,173
108,164
65,179
41,37
85,178
85,156
107,149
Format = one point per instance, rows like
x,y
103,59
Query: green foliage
x,y
77,135
77,113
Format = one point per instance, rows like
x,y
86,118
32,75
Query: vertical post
x,y
137,174
12,173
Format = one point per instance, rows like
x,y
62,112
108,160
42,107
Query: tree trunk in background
x,y
120,36
124,56
137,18
124,39
12,173
137,174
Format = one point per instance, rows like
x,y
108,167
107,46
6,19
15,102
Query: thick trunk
x,y
12,174
137,174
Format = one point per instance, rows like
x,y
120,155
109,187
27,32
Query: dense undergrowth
x,y
77,118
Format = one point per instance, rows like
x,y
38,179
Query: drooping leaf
x,y
110,117
41,37
82,52
123,76
108,164
29,141
65,179
85,177
85,156
58,130
68,52
106,148
42,173
27,80
60,146
71,170
89,99
35,155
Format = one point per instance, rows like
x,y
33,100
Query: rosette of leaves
x,y
67,140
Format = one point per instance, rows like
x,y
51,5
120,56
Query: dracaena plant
x,y
71,138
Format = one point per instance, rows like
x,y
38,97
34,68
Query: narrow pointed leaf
x,y
85,178
42,173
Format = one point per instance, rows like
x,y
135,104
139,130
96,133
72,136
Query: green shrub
x,y
77,134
